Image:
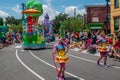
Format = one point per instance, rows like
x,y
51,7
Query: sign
x,y
95,19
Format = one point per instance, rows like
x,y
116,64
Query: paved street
x,y
82,26
19,64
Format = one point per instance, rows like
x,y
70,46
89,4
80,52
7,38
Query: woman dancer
x,y
61,49
102,48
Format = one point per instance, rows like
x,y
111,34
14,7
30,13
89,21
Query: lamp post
x,y
23,7
107,14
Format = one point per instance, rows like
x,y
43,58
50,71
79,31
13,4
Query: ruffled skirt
x,y
61,59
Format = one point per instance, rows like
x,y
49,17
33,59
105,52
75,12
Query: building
x,y
96,16
115,16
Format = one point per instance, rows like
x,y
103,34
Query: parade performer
x,y
102,48
61,49
48,29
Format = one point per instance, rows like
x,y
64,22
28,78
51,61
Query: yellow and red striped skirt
x,y
61,57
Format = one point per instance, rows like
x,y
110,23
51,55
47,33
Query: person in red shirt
x,y
117,47
77,34
109,40
109,45
110,48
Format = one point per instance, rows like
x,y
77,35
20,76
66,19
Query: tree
x,y
15,24
16,28
67,24
58,21
76,23
12,20
1,21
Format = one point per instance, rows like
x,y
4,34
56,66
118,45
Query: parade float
x,y
48,29
32,38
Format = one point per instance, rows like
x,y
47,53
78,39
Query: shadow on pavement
x,y
71,78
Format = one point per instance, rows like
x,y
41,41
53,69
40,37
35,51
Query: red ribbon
x,y
55,65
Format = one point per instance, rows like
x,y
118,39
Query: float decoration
x,y
48,29
31,11
32,39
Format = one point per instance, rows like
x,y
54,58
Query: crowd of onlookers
x,y
88,41
82,40
9,38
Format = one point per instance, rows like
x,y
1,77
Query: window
x,y
107,17
116,23
116,3
95,19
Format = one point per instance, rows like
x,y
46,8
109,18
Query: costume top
x,y
61,57
102,47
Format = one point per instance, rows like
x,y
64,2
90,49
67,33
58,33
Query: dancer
x,y
102,48
61,49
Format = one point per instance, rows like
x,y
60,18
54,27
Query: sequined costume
x,y
102,45
61,56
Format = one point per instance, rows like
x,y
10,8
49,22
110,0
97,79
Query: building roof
x,y
95,6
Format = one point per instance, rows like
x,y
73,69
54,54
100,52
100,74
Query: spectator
x,y
94,38
117,47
